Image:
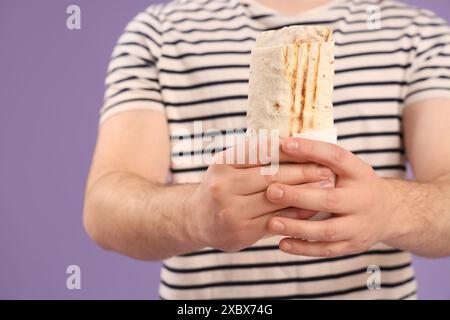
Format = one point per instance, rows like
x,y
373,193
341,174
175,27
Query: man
x,y
187,61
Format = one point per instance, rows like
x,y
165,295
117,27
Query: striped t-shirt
x,y
190,61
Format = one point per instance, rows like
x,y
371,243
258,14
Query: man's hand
x,y
229,209
361,204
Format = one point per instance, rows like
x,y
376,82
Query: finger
x,y
339,160
261,223
316,249
323,184
250,151
255,205
296,213
334,229
333,200
292,174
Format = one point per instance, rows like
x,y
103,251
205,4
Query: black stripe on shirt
x,y
244,97
211,251
372,117
149,25
409,295
133,43
410,94
209,117
373,151
244,113
125,67
377,67
370,84
204,84
219,19
203,68
369,134
342,44
222,40
206,53
336,292
202,101
339,275
145,35
238,266
128,89
409,36
245,52
153,80
239,28
433,68
429,78
437,45
222,148
207,134
130,100
246,66
227,131
382,8
395,167
203,9
127,54
245,81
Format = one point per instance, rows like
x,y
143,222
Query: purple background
x,y
51,86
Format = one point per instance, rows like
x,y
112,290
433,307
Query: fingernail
x,y
275,192
326,184
291,144
324,172
286,246
277,226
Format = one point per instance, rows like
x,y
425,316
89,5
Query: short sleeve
x,y
429,74
132,78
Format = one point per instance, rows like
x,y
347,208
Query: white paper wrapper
x,y
325,135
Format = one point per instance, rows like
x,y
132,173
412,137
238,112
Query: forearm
x,y
130,215
423,212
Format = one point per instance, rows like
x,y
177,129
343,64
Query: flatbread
x,y
291,80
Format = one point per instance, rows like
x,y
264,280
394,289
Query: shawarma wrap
x,y
291,82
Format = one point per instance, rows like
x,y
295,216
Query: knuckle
x,y
339,154
331,202
368,169
326,252
328,232
290,196
235,242
355,246
216,169
213,168
271,178
229,247
224,217
362,244
309,172
308,147
215,188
